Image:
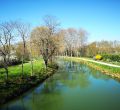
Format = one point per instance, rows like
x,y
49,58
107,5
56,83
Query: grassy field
x,y
112,71
15,71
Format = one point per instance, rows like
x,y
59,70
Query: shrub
x,y
111,57
98,57
12,62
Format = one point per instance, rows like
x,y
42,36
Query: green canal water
x,y
73,87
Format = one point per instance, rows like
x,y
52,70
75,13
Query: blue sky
x,y
101,18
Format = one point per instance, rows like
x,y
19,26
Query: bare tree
x,y
70,40
40,38
6,36
52,23
82,34
116,46
92,49
30,45
24,32
60,44
45,36
105,47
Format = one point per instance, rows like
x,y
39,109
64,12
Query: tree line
x,y
18,43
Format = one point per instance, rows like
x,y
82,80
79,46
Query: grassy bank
x,y
16,70
18,85
111,71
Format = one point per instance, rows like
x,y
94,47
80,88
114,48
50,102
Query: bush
x,y
98,57
12,62
111,57
53,65
1,64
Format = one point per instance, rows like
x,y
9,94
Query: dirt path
x,y
99,62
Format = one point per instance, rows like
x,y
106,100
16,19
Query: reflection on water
x,y
73,87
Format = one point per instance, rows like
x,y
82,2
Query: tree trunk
x,y
66,53
31,59
24,45
46,63
77,53
6,68
22,66
51,60
71,51
32,68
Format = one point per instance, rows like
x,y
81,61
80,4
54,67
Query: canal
x,y
74,86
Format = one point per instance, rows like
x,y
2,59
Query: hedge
x,y
111,57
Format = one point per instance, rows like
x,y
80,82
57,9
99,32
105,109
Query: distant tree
x,y
92,49
60,43
105,47
70,40
116,46
75,41
82,38
19,51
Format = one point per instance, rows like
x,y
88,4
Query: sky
x,y
100,18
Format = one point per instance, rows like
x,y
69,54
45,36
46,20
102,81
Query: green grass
x,y
18,85
116,63
15,71
105,67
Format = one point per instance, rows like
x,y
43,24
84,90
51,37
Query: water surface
x,y
73,87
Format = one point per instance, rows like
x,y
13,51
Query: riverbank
x,y
100,62
17,85
109,69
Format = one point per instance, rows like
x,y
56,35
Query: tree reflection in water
x,y
71,87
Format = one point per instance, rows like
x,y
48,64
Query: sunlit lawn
x,y
17,70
